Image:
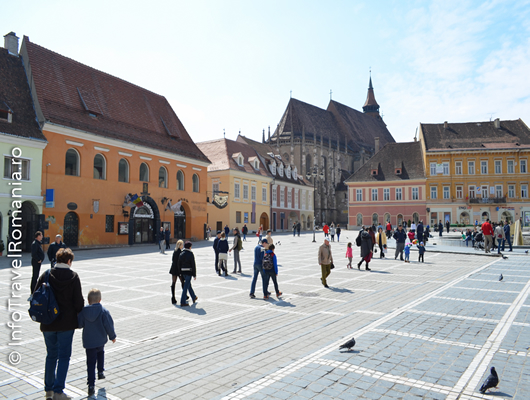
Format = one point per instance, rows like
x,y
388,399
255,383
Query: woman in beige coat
x,y
380,240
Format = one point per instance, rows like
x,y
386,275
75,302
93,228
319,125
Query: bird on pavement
x,y
526,251
501,278
491,381
504,257
348,345
278,244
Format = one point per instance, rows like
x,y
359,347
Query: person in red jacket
x,y
487,231
326,230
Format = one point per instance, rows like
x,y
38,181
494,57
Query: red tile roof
x,y
68,93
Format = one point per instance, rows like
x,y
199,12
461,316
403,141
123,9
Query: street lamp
x,y
314,174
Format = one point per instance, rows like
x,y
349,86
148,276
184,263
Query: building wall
x,y
83,190
460,206
404,208
300,209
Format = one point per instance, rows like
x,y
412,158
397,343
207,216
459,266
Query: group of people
x,y
405,240
495,236
297,226
164,239
95,319
183,268
330,231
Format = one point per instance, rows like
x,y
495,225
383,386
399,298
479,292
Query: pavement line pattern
x,y
486,290
429,339
445,315
472,301
282,372
479,365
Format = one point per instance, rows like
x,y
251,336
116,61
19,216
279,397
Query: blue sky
x,y
232,64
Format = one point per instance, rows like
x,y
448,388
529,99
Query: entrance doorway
x,y
71,229
274,222
144,224
180,224
264,221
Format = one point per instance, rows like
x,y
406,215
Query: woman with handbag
x,y
380,239
366,249
222,248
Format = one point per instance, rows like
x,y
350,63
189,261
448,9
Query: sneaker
x,y
185,305
252,296
279,294
101,375
266,297
195,299
49,395
91,390
61,396
326,286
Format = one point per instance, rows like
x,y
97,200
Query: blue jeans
x,y
95,356
245,237
271,275
187,287
508,239
59,350
258,270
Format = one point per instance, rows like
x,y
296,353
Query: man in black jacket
x,y
215,242
167,237
419,231
188,270
37,257
162,240
54,248
400,237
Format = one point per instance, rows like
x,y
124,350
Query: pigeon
x,y
278,244
491,381
504,257
501,278
526,251
348,345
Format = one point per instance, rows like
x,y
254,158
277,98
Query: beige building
x,y
238,185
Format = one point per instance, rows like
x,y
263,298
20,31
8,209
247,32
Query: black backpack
x,y
358,240
43,307
268,262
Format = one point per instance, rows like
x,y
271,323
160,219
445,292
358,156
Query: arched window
x,y
100,167
400,219
162,177
416,218
72,163
375,219
196,183
123,170
359,219
144,172
308,166
180,180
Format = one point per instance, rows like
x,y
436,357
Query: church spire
x,y
370,106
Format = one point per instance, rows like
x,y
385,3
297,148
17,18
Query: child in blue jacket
x,y
421,251
270,271
97,324
407,252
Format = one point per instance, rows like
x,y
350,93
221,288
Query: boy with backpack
x,y
97,324
270,269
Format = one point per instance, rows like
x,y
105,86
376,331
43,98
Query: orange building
x,y
108,139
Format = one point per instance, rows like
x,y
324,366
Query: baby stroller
x,y
479,241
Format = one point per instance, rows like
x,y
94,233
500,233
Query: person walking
x,y
174,271
426,234
167,237
222,248
269,237
349,255
487,231
325,228
244,231
332,231
259,233
371,232
227,231
440,227
58,335
400,237
37,257
338,231
388,229
447,225
500,237
270,270
380,240
469,237
162,240
413,227
237,247
507,235
366,249
208,232
259,252
188,270
294,229
298,228
419,231
215,243
54,248
325,259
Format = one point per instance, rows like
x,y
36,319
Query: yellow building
x,y
476,171
238,186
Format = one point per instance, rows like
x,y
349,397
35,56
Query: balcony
x,y
488,200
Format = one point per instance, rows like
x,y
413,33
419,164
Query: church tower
x,y
370,106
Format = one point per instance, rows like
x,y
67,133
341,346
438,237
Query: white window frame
x,y
434,192
215,187
524,191
433,168
415,193
472,192
399,194
289,198
359,195
523,167
264,194
8,172
471,168
282,196
459,192
295,204
458,168
237,190
245,191
446,192
386,194
511,191
511,166
483,167
253,193
274,195
498,191
445,167
498,166
374,194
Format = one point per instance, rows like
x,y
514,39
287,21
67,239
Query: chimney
x,y
446,125
11,43
269,134
497,123
376,145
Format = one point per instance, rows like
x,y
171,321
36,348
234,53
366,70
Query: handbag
x,y
332,266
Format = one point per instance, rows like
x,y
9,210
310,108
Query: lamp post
x,y
314,174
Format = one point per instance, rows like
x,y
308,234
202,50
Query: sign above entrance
x,y
220,199
144,211
71,206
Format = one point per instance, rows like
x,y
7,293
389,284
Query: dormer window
x,y
273,168
240,161
6,114
280,170
288,172
374,172
398,171
254,161
295,173
238,158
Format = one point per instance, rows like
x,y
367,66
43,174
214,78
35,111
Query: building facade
x,y
21,147
238,185
476,171
390,187
291,195
332,144
110,141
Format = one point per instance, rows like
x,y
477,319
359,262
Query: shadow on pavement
x,y
500,394
340,290
283,303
